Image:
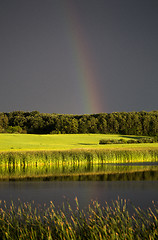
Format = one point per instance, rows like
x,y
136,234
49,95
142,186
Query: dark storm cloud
x,y
38,65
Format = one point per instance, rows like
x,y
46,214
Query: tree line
x,y
128,123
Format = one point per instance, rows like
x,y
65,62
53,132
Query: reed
x,y
30,164
114,221
77,156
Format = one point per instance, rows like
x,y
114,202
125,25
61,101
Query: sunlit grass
x,y
113,221
37,163
26,142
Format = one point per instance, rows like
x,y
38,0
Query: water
x,y
140,193
103,182
85,171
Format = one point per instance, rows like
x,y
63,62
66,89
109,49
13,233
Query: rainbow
x,y
84,63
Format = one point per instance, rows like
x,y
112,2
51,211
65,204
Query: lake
x,y
136,182
140,193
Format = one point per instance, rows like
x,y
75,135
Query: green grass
x,y
110,222
26,142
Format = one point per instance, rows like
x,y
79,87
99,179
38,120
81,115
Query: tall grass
x,y
78,156
31,164
25,221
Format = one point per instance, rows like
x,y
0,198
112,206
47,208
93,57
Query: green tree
x,y
154,125
137,125
92,125
3,122
82,125
102,125
113,125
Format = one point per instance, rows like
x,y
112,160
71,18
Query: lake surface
x,y
137,182
140,193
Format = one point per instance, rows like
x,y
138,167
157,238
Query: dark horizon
x,y
81,113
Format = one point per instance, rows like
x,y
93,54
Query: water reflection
x,y
82,172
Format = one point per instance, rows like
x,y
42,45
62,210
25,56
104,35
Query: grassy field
x,y
26,142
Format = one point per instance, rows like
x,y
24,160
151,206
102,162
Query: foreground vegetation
x,y
26,221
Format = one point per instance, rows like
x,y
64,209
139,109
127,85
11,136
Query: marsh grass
x,y
78,156
114,221
49,163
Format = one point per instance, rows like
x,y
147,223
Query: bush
x,y
112,141
2,129
16,129
55,132
123,141
132,141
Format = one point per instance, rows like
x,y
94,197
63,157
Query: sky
x,y
78,56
